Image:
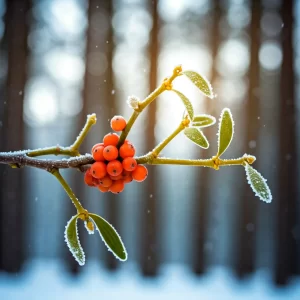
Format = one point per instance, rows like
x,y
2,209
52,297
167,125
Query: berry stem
x,y
166,85
68,190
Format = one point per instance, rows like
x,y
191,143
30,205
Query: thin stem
x,y
165,142
213,162
71,150
125,132
91,120
166,85
69,191
55,150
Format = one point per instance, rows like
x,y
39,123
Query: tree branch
x,y
20,159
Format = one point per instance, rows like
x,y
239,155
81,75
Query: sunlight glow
x,y
40,102
64,66
233,58
270,56
68,18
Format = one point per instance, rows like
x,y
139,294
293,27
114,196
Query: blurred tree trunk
x,y
11,196
150,257
248,206
111,199
201,202
287,261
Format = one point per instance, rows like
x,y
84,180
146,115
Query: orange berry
x,y
96,145
129,164
105,181
140,173
118,177
97,152
111,139
117,186
88,178
98,169
114,168
110,152
103,189
127,179
117,123
127,150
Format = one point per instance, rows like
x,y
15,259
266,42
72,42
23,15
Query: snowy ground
x,y
48,280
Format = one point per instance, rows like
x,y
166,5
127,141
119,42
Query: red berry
x,y
97,152
118,123
103,189
88,178
105,181
127,150
127,179
118,177
111,139
110,153
98,169
140,173
129,164
96,145
117,186
114,168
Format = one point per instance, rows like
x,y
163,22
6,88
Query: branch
x,y
20,159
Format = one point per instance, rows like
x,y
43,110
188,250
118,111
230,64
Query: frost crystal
x,y
89,226
133,102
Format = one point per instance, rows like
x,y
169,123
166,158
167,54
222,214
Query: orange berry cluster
x,y
114,167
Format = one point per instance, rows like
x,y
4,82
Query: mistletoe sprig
x,y
112,163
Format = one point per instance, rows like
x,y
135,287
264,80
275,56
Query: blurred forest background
x,y
63,59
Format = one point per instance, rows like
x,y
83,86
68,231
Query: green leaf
x,y
203,120
258,184
71,238
225,131
201,82
197,137
110,237
188,105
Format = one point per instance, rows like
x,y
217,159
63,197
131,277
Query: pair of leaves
x,y
204,86
195,134
254,178
192,133
107,232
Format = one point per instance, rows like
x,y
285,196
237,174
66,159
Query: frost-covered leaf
x,y
201,82
197,137
72,240
110,237
226,131
188,105
258,184
203,120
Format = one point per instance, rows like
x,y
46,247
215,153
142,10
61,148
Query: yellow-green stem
x,y
56,150
69,191
91,120
213,162
71,150
166,85
164,143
